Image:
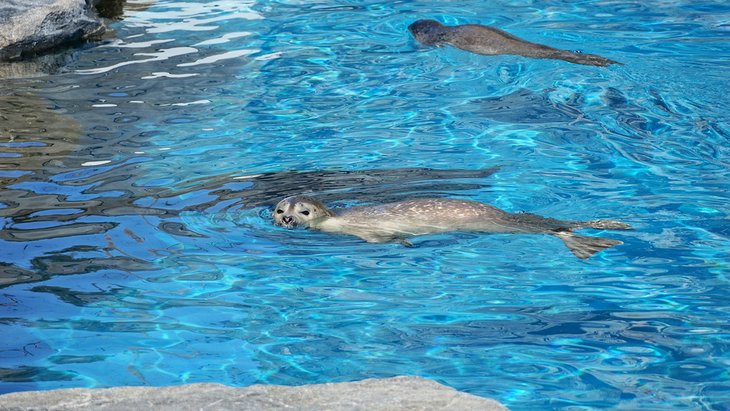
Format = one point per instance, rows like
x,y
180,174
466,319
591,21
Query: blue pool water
x,y
137,248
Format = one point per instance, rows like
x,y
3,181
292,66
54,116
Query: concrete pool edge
x,y
397,393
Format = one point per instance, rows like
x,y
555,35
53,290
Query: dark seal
x,y
492,41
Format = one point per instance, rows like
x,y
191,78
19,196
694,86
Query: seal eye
x,y
280,211
305,212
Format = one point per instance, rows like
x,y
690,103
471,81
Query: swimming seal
x,y
401,220
492,41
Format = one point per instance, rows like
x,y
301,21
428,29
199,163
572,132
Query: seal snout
x,y
286,221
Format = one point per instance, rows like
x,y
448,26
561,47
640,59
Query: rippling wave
x,y
137,180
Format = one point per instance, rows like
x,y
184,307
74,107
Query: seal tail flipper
x,y
606,225
585,59
583,247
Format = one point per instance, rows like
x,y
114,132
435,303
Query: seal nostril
x,y
286,219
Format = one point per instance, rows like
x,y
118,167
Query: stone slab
x,y
389,394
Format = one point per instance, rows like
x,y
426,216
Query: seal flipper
x,y
373,238
406,243
585,59
606,225
583,247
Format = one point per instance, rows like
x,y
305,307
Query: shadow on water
x,y
527,107
385,185
46,267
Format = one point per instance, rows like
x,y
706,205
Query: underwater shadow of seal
x,y
258,190
375,185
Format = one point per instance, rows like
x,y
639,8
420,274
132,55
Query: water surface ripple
x,y
136,246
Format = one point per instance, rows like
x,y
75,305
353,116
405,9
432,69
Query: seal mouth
x,y
286,222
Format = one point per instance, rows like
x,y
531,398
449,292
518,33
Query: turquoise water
x,y
137,247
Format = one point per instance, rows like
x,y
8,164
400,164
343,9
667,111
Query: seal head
x,y
428,32
300,211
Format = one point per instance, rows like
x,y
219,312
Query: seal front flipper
x,y
374,237
583,247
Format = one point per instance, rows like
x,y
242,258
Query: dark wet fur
x,y
488,40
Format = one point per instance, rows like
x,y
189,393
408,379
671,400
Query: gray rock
x,y
28,27
399,393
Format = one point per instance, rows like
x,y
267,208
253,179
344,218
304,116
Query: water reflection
x,y
524,106
37,66
157,255
34,138
54,191
64,262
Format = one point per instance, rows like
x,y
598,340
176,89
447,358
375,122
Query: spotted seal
x,y
396,222
492,41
